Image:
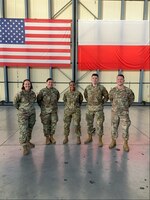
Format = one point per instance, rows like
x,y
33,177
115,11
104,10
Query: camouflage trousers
x,y
49,121
99,116
26,123
124,120
76,116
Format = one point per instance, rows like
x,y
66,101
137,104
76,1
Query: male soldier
x,y
72,100
47,99
96,95
121,98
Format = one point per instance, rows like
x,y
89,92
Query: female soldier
x,y
72,100
24,103
47,99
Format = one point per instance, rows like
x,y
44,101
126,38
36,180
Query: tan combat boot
x,y
31,145
78,140
47,140
100,141
89,139
65,141
125,146
25,150
53,141
112,144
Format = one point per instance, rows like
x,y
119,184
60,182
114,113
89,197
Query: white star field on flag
x,y
12,31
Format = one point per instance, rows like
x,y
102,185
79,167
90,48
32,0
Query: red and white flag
x,y
113,45
35,42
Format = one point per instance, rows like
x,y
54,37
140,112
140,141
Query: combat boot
x,y
89,139
112,144
65,141
125,146
31,145
53,141
100,141
47,140
78,140
25,150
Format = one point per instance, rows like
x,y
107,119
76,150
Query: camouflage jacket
x,y
72,100
24,101
47,99
95,96
121,99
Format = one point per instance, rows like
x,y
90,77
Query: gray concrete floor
x,y
71,171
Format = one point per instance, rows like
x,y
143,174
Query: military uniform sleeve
x,y
65,99
16,101
58,95
39,98
80,98
131,97
85,94
105,95
35,98
111,95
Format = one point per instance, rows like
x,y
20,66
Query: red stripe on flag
x,y
49,20
35,57
106,57
47,35
48,28
34,50
47,43
41,65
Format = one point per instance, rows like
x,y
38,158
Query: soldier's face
x,y
94,80
27,85
50,83
72,86
120,80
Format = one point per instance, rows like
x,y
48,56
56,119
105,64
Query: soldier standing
x,y
96,95
72,100
24,103
47,99
121,98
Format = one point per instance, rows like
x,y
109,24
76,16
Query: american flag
x,y
35,42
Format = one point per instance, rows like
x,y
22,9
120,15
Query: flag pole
x,y
141,77
5,67
50,17
26,16
100,17
74,39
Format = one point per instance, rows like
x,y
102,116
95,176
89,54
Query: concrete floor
x,y
71,171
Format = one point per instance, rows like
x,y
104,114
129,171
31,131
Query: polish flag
x,y
113,45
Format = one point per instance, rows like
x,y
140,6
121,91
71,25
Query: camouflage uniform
x,y
121,101
24,102
72,101
47,100
95,96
